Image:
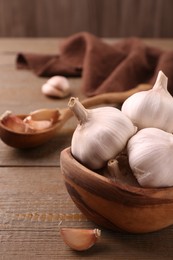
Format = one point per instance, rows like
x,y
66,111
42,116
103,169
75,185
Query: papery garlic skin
x,y
150,157
57,86
101,134
151,108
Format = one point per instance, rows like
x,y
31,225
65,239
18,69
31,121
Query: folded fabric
x,y
103,67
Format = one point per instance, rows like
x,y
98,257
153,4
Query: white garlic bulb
x,y
150,157
57,86
101,134
152,108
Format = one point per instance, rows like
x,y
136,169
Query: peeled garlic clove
x,y
37,125
80,239
103,133
14,123
150,157
152,108
57,86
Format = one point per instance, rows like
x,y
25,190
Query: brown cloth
x,y
104,67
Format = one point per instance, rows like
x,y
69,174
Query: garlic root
x,y
80,239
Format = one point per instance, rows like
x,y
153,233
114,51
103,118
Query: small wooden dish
x,y
25,140
113,205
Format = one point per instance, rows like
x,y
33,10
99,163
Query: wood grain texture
x,y
113,18
34,202
108,203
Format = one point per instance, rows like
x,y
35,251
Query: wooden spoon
x,y
33,139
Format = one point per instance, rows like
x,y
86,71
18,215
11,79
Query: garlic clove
x,y
57,86
14,123
103,133
45,114
150,157
37,125
80,239
151,108
37,120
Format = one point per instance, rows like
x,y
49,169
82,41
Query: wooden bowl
x,y
113,205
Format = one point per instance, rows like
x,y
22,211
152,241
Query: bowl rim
x,y
155,193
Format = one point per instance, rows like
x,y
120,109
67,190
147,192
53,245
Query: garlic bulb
x,y
152,108
100,135
150,157
57,86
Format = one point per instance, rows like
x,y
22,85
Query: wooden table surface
x,y
34,202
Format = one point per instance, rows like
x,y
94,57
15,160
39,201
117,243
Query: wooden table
x,y
34,202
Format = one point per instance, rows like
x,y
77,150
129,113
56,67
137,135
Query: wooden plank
x,y
45,155
113,18
34,204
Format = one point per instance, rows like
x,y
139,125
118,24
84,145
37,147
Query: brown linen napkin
x,y
104,67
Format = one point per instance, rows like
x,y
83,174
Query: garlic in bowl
x,y
103,133
150,157
116,205
151,108
139,202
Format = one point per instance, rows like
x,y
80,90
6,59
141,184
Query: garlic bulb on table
x,y
150,157
57,86
151,108
101,134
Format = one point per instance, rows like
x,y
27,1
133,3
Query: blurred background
x,y
104,18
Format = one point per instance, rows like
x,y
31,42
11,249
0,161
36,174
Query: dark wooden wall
x,y
105,18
